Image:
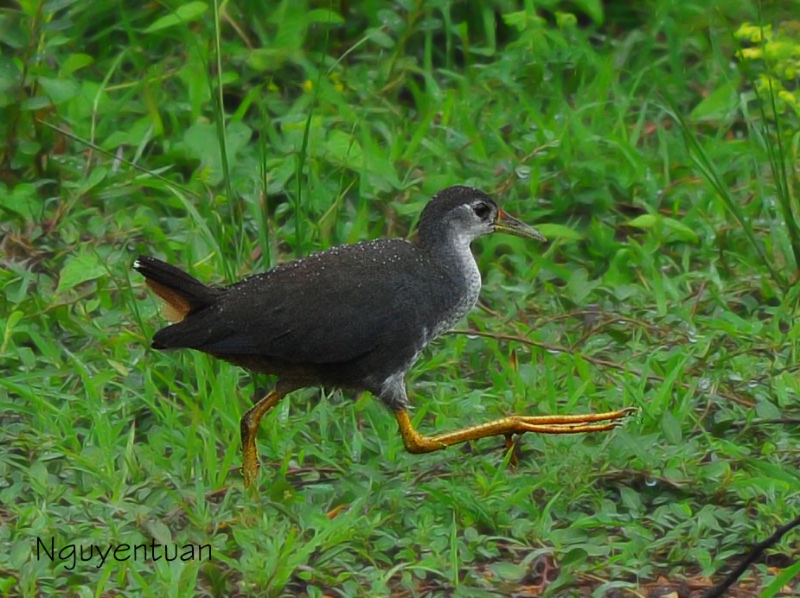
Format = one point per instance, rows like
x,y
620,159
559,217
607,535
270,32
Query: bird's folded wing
x,y
321,310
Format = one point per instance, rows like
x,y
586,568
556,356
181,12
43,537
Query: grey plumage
x,y
356,316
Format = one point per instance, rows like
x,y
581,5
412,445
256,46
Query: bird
x,y
356,316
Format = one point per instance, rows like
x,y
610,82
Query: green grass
x,y
228,138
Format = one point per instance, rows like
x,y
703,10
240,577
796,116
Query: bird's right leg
x,y
506,426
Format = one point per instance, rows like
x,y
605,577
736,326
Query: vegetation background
x,y
655,143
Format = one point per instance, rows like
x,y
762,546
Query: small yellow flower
x,y
335,78
749,53
767,84
743,32
308,86
566,20
788,97
753,33
203,174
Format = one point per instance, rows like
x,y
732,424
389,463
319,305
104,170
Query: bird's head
x,y
468,213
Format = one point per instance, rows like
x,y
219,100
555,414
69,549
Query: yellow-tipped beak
x,y
512,226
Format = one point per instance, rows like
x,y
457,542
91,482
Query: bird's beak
x,y
509,224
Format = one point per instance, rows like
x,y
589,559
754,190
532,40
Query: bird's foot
x,y
250,467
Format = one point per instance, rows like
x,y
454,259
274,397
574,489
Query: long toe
x,y
572,428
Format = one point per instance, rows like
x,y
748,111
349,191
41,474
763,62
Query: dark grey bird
x,y
353,317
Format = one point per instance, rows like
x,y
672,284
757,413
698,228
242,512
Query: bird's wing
x,y
330,308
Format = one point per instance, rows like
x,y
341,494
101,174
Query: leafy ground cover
x,y
654,145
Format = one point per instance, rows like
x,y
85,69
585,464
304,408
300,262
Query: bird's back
x,y
334,317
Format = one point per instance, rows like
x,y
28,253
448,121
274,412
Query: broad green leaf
x,y
381,38
579,286
14,31
9,75
559,231
185,13
593,8
291,21
785,474
323,15
13,320
767,410
73,63
759,485
238,136
778,585
78,270
96,176
644,221
566,20
23,200
270,59
159,531
202,142
718,105
574,555
671,427
345,148
680,229
508,571
630,498
35,103
134,134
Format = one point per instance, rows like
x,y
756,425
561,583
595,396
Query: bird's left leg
x,y
249,427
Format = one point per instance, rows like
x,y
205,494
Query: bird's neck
x,y
452,252
457,265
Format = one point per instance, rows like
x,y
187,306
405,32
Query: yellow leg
x,y
514,424
249,428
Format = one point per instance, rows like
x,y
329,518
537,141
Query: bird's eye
x,y
482,210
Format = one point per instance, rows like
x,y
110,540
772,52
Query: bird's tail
x,y
182,294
